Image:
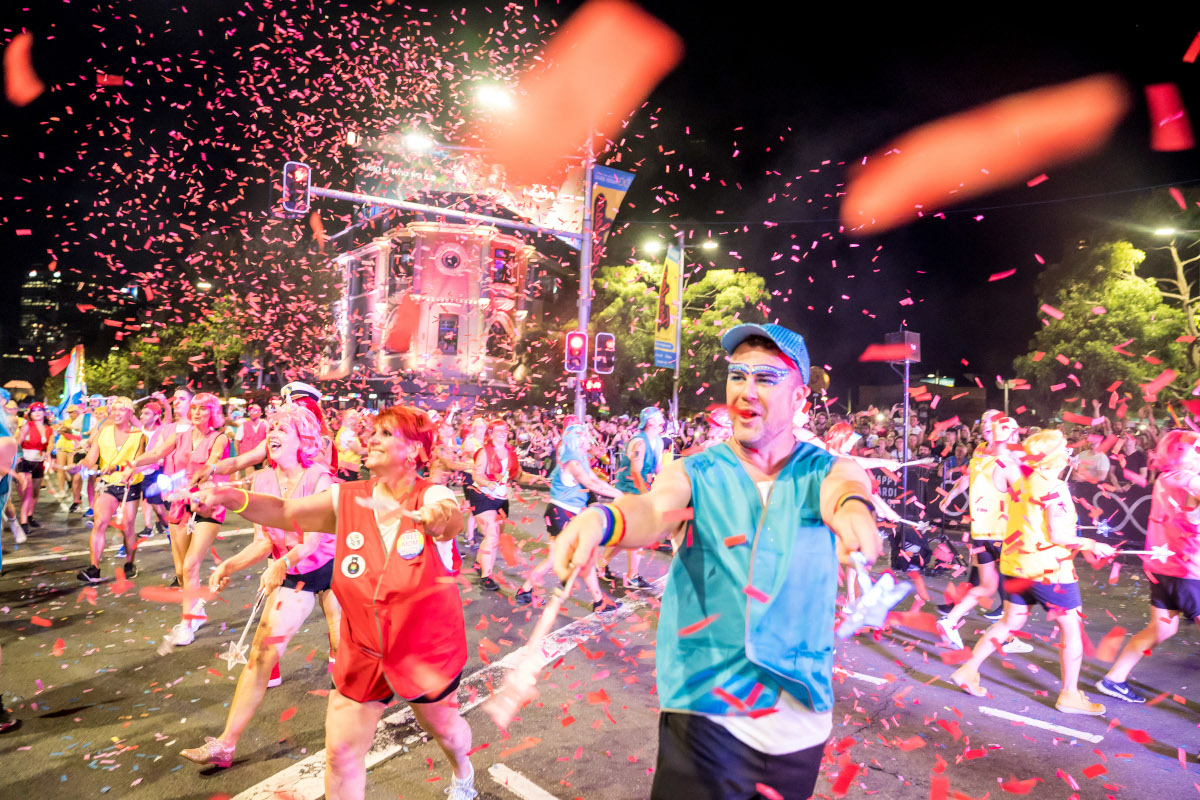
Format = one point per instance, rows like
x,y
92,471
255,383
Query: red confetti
x,y
1193,50
999,276
1094,770
695,626
841,784
1170,129
885,352
45,623
1035,181
757,594
1141,737
1014,786
734,541
21,84
767,792
59,647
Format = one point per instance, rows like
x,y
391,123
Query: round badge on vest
x,y
353,566
355,540
410,544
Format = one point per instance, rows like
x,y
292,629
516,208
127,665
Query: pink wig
x,y
307,431
211,403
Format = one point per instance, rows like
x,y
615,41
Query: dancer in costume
x,y
497,467
114,450
35,440
300,576
740,709
570,483
1174,529
403,632
1037,565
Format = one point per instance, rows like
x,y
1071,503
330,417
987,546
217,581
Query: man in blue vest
x,y
640,463
745,637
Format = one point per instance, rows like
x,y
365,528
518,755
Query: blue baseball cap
x,y
790,343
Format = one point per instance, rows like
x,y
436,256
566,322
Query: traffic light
x,y
576,351
604,358
297,180
593,386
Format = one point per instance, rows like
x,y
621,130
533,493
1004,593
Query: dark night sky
x,y
835,85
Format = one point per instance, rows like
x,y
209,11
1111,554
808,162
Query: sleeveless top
x,y
651,460
987,505
266,481
1028,551
111,454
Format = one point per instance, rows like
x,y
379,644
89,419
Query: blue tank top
x,y
650,463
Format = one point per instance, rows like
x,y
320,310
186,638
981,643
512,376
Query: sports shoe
x,y
174,584
181,635
637,582
945,608
130,570
32,524
89,575
73,509
161,528
89,513
968,680
461,788
276,676
145,533
949,634
199,616
524,597
994,614
213,751
18,531
121,553
609,576
7,721
1119,690
1015,645
489,584
605,605
1077,703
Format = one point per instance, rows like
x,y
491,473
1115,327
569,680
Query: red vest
x,y
402,606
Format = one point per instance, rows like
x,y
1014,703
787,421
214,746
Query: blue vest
x,y
650,463
753,648
573,496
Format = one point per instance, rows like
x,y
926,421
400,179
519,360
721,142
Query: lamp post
x,y
655,246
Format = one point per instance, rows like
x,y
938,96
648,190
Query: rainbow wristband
x,y
846,498
614,524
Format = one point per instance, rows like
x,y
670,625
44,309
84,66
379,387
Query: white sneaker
x,y
18,531
461,788
198,611
181,635
1015,645
949,634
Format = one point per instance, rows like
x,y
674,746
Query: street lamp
x,y
494,97
418,142
655,246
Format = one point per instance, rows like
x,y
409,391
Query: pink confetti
x,y
1035,181
999,276
1051,311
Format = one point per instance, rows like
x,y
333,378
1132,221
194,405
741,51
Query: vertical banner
x,y
670,300
74,385
608,191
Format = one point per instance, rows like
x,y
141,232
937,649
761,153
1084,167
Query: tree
x,y
626,304
1117,332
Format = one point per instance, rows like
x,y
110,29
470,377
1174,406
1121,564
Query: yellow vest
x,y
1028,551
110,454
987,504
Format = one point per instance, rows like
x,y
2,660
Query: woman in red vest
x,y
402,632
496,468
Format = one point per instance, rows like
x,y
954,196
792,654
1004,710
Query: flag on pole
x,y
74,385
670,299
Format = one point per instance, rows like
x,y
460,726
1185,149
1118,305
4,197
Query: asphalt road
x,y
103,713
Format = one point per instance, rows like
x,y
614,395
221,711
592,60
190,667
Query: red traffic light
x,y
576,341
575,355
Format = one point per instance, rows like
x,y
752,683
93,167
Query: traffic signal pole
x,y
585,279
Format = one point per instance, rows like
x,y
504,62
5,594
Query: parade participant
x,y
300,575
640,462
989,514
152,501
252,431
93,421
65,449
570,482
113,450
34,440
473,438
200,445
349,449
1037,565
403,631
8,457
1174,530
740,709
496,468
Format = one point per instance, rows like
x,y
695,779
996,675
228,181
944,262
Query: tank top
x,y
1028,551
266,481
111,454
987,505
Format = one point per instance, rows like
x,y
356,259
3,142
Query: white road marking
x,y
145,544
518,784
1037,723
860,676
305,780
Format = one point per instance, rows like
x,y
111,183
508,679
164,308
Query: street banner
x,y
74,385
609,187
670,300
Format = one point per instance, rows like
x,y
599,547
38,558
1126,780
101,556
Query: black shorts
x,y
34,469
1176,594
1064,596
78,455
482,503
117,492
700,760
347,475
987,551
153,498
315,580
442,695
557,519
